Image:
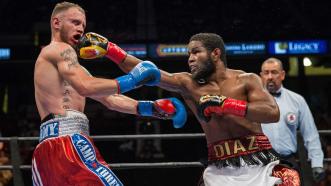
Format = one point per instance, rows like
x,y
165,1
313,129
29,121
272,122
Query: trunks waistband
x,y
59,125
237,147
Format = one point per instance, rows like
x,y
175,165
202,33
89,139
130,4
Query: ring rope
x,y
138,165
130,165
139,136
122,137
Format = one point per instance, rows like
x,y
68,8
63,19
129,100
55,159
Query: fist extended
x,y
169,108
92,46
165,106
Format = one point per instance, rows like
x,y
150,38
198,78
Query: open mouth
x,y
77,37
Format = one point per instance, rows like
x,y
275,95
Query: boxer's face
x,y
272,76
199,61
73,24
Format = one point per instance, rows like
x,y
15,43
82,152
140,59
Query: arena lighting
x,y
159,50
307,62
137,50
298,47
245,48
5,53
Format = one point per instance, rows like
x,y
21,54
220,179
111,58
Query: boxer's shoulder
x,y
57,48
248,77
55,51
183,77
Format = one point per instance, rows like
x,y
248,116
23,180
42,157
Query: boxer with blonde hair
x,y
66,154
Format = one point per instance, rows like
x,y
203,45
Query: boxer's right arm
x,y
261,107
71,71
167,109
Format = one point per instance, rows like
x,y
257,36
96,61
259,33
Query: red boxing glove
x,y
165,105
115,53
221,105
93,45
169,108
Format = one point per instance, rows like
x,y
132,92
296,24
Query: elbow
x,y
275,115
84,90
275,118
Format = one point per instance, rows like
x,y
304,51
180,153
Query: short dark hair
x,y
273,60
211,41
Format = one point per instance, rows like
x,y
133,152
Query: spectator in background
x,y
5,175
294,114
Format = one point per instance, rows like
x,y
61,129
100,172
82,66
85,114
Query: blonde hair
x,y
63,6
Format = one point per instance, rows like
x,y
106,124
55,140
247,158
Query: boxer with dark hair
x,y
66,154
229,104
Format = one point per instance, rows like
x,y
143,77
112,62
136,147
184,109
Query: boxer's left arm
x,y
218,104
167,109
120,103
262,107
259,107
93,46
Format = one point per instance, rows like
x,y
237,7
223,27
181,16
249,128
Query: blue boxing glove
x,y
145,73
169,108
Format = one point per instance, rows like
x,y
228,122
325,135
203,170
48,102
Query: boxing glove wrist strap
x,y
115,53
145,108
235,107
229,106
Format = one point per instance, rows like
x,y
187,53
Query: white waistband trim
x,y
73,122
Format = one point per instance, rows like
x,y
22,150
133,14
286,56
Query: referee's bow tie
x,y
276,94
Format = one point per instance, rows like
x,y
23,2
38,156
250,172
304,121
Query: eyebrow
x,y
80,21
195,48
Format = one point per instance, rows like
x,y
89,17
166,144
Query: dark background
x,y
24,28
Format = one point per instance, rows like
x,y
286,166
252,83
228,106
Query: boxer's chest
x,y
226,88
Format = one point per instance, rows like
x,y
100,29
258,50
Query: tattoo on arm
x,y
70,57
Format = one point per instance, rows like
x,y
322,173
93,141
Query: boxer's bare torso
x,y
52,93
227,82
234,84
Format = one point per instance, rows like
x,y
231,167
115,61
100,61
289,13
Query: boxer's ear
x,y
55,22
216,54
